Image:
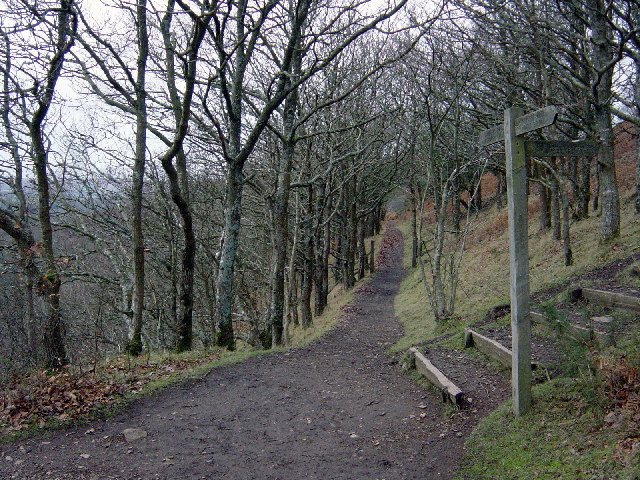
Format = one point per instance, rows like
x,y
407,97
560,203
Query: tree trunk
x,y
602,57
566,239
279,240
286,316
293,293
543,195
372,257
362,254
319,273
596,190
326,248
281,205
637,202
49,284
477,197
379,217
307,266
210,301
414,225
224,286
185,321
134,346
584,188
438,285
555,208
571,170
350,236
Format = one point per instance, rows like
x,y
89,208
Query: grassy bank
x,y
566,435
484,271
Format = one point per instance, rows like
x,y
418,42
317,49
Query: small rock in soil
x,y
133,434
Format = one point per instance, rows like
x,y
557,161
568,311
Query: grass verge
x,y
562,438
565,436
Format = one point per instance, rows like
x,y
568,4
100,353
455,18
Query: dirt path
x,y
336,409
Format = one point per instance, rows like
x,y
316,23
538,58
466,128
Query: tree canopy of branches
x,y
180,173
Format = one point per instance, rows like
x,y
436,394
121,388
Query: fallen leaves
x,y
390,240
38,398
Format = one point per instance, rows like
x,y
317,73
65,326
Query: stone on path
x,y
133,434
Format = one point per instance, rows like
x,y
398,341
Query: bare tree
x,y
58,25
232,79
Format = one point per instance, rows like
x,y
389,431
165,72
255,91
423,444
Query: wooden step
x,y
612,299
449,390
490,347
576,331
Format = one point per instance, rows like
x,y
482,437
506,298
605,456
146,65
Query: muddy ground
x,y
337,409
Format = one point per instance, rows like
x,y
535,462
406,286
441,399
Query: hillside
x,y
581,427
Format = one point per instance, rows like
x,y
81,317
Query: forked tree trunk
x,y
178,175
49,284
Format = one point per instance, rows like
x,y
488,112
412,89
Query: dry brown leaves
x,y
622,383
389,241
622,386
41,397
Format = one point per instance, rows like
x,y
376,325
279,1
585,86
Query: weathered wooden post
x,y
519,263
517,149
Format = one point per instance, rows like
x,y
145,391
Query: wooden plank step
x,y
612,299
576,330
490,347
449,390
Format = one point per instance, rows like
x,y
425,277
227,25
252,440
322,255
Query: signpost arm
x,y
519,263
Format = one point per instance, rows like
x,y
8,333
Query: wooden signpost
x,y
516,149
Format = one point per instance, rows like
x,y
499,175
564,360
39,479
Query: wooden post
x,y
516,150
519,263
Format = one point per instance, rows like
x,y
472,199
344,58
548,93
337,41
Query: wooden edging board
x,y
612,299
490,347
601,338
449,390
